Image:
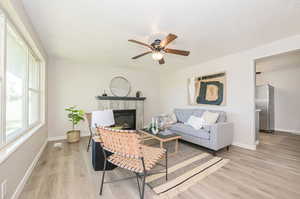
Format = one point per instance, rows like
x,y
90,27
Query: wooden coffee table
x,y
147,135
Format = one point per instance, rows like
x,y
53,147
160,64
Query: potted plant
x,y
75,116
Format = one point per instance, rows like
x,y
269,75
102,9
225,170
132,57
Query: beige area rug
x,y
186,168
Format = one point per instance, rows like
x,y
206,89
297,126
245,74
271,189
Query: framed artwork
x,y
208,89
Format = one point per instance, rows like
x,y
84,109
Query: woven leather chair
x,y
129,153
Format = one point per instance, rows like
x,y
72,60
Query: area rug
x,y
186,168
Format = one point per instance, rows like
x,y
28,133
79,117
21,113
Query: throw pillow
x,y
196,122
210,117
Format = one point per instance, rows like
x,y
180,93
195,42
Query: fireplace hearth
x,y
125,118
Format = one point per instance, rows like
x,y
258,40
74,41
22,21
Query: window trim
x,y
37,90
39,108
27,128
3,83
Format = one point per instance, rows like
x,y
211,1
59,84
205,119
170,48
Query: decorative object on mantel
x,y
104,94
208,89
138,94
120,86
75,116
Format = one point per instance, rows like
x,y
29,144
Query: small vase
x,y
138,94
154,131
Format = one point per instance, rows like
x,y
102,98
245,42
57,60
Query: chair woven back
x,y
121,142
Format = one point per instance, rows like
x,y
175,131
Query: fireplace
x,y
125,118
124,103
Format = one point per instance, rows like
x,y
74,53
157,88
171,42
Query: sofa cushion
x,y
198,112
183,115
189,130
210,117
221,118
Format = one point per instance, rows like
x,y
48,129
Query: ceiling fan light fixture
x,y
157,55
158,48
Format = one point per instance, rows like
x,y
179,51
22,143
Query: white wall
x,y
13,169
240,86
78,84
287,96
17,167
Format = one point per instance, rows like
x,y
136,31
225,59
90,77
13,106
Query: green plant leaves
x,y
75,115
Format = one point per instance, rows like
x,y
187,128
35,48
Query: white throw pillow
x,y
210,117
196,122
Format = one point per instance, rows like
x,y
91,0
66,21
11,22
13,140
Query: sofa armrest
x,y
221,135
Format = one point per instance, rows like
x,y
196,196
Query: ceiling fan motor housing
x,y
156,45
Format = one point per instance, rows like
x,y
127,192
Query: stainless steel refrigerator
x,y
265,102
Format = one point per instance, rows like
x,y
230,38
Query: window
x,y
20,78
16,63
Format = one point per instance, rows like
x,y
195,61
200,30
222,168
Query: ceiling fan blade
x,y
167,40
177,52
161,61
141,43
135,57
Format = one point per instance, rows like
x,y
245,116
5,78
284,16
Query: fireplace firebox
x,y
125,118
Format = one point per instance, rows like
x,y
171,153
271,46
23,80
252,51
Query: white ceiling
x,y
96,31
279,62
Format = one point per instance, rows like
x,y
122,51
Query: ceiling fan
x,y
158,48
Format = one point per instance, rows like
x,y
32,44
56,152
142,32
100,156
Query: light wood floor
x,y
272,171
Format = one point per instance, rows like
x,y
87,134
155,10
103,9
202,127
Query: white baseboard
x,y
246,146
289,131
56,138
21,185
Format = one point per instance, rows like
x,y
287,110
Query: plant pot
x,y
73,136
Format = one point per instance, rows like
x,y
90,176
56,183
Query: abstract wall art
x,y
208,89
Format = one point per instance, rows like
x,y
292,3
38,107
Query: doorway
x,y
277,94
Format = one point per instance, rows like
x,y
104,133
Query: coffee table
x,y
170,136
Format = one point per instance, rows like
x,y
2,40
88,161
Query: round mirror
x,y
120,86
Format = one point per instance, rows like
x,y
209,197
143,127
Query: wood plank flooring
x,y
272,171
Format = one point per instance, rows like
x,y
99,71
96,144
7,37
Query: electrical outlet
x,y
3,189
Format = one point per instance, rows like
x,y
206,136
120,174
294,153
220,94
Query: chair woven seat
x,y
151,156
129,153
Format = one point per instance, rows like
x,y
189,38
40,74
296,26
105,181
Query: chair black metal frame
x,y
90,138
143,177
141,186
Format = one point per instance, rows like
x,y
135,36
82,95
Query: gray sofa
x,y
214,137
